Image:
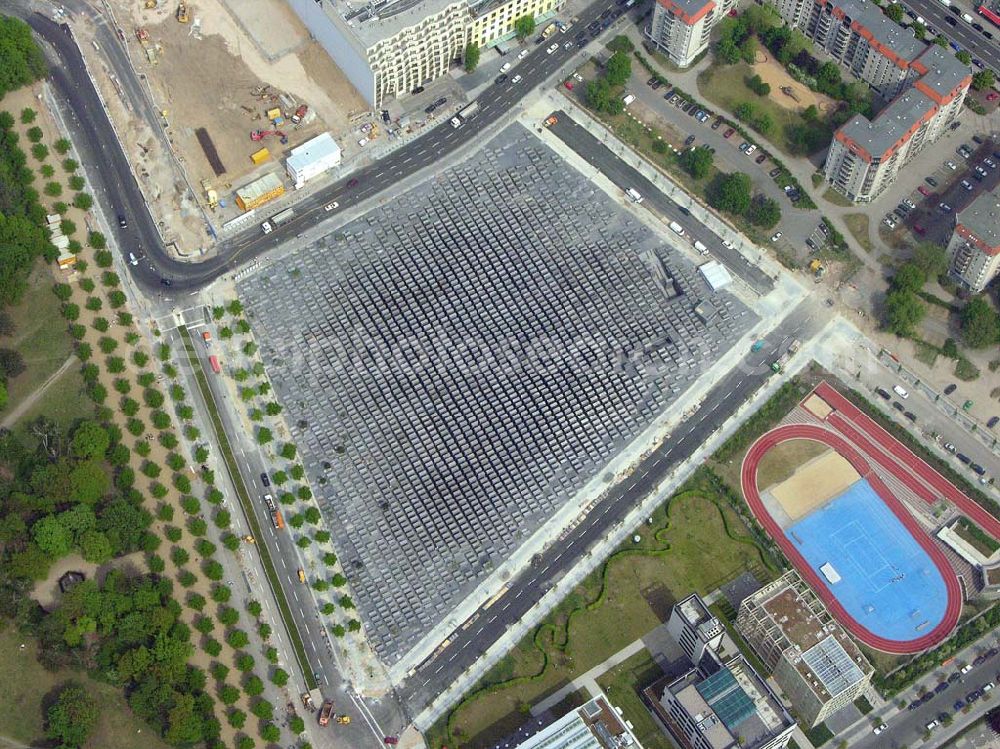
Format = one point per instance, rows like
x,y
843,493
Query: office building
x,y
680,29
594,725
312,158
974,249
694,628
389,47
813,660
720,702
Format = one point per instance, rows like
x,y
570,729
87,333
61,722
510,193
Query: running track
x,y
848,412
748,479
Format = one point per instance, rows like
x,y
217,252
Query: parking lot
x,y
965,172
697,125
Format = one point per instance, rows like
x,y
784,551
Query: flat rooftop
x,y
823,653
461,361
892,125
982,217
371,23
593,725
886,32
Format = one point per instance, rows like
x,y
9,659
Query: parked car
x,y
950,447
883,393
924,191
950,388
966,184
744,146
265,480
717,124
951,165
500,78
776,236
930,181
994,420
774,172
944,208
751,149
728,132
689,140
761,159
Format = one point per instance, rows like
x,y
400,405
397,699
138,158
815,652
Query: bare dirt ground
x,y
773,73
204,76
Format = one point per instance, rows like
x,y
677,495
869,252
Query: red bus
x,y
214,361
990,15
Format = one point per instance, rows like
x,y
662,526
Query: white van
x,y
505,67
700,247
628,99
677,228
634,195
900,392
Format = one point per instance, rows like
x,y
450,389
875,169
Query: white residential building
x,y
681,28
974,249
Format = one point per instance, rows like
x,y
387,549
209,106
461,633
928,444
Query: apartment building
x,y
925,85
493,20
389,47
680,29
974,249
814,661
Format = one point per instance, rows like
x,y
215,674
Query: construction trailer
x,y
259,192
312,158
259,157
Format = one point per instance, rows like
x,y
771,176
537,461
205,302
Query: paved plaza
x,y
461,361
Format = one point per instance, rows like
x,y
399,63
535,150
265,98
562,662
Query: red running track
x,y
748,478
940,485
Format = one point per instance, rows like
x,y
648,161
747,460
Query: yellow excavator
x,y
182,12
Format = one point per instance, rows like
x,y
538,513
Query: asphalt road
x,y
962,33
908,727
120,194
736,388
598,155
384,717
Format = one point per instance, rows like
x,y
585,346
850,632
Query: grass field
x,y
780,462
832,196
859,226
28,687
40,335
701,545
623,684
725,86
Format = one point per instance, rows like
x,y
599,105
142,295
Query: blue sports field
x,y
888,584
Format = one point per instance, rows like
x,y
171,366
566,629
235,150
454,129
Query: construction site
x,y
234,87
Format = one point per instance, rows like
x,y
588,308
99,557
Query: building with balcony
x,y
866,155
814,661
389,47
680,29
974,249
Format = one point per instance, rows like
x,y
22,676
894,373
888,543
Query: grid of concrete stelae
x,y
466,358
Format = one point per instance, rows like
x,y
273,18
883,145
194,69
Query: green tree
x,y
471,57
279,677
983,80
764,212
618,69
727,51
962,55
524,26
731,193
931,258
95,547
52,536
894,12
745,111
910,277
598,94
270,733
71,719
90,441
980,323
919,30
903,312
697,161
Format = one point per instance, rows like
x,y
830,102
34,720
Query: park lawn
x,y
639,592
63,402
22,699
859,226
623,684
781,461
725,86
40,335
832,196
